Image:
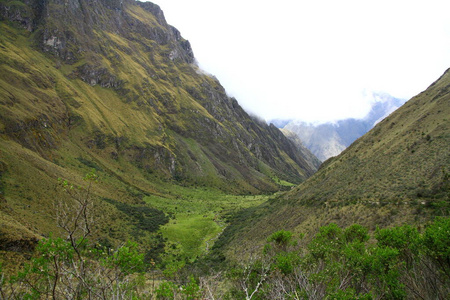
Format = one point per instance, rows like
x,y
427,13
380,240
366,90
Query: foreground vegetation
x,y
394,263
349,263
336,263
87,264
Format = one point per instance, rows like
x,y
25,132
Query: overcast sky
x,y
316,60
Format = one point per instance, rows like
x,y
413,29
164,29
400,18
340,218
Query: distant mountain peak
x,y
325,140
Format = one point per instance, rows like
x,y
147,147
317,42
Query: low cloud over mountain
x,y
329,139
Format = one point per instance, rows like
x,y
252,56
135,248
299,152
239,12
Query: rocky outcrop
x,y
36,134
71,36
94,75
18,12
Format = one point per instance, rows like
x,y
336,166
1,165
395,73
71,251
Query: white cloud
x,y
315,60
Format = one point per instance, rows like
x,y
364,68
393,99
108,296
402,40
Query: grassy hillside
x,y
398,173
109,85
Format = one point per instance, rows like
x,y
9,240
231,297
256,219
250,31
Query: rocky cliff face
x,y
108,84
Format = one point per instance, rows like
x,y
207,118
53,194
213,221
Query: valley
x,y
119,93
198,216
126,172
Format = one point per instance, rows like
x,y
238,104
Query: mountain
x,y
306,153
109,85
397,173
330,139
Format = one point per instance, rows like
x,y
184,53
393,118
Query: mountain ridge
x,y
109,85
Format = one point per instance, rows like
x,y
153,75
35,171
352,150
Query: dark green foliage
x,y
89,163
424,258
281,238
385,273
100,140
153,255
2,184
168,290
342,264
286,262
327,243
436,241
60,270
356,233
72,268
126,259
145,218
405,239
191,290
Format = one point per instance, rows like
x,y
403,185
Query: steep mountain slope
x,y
330,139
397,173
108,84
306,153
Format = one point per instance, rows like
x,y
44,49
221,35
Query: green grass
x,y
193,232
198,215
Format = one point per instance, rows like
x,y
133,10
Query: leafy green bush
x,y
286,262
166,290
436,241
281,237
341,263
405,239
191,289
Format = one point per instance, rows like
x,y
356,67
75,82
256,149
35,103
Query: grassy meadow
x,y
198,216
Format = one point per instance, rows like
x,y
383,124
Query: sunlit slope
x,y
110,85
397,173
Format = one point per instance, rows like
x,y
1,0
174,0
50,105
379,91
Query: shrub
x,y
341,264
436,241
281,237
166,290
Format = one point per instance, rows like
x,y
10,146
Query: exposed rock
x,y
94,75
19,12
